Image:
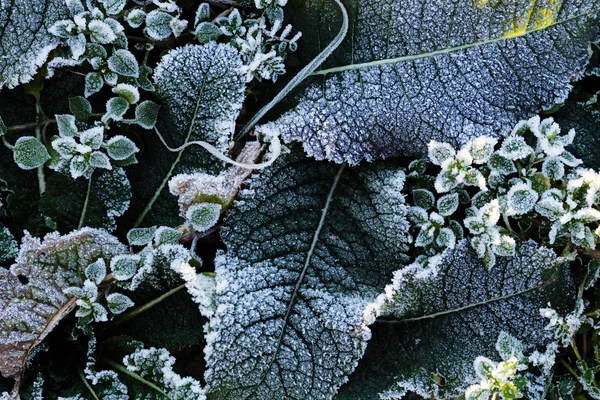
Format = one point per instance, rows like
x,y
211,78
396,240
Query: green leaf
x,y
309,245
158,25
135,17
447,204
448,71
29,311
207,32
442,317
29,153
93,83
115,109
81,108
64,199
203,216
124,267
140,236
423,198
101,32
118,303
121,148
26,41
124,63
113,7
146,114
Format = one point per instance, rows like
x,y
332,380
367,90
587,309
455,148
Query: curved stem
x,y
304,73
85,204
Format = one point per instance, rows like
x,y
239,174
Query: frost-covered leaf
x,y
203,216
115,109
158,25
207,32
309,244
29,153
128,92
202,14
201,81
423,198
135,18
205,81
109,198
448,314
80,107
25,41
29,311
146,114
124,63
140,236
96,271
414,71
93,83
121,148
113,7
101,32
124,267
118,303
447,204
156,365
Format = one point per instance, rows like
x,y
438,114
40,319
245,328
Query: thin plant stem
x,y
87,384
568,368
85,204
38,135
141,309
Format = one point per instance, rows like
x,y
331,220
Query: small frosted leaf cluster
x,y
152,265
500,379
95,35
457,168
156,366
562,329
80,153
574,211
529,176
488,241
89,298
260,40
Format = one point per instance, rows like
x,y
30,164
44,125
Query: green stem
x,y
135,376
85,204
87,385
568,368
38,135
8,145
30,126
141,309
